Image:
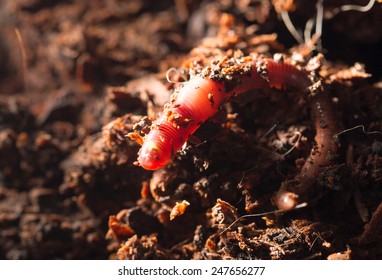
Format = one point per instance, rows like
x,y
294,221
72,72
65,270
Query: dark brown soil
x,y
75,78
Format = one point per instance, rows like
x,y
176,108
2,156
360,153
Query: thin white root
x,y
346,8
356,127
288,23
363,9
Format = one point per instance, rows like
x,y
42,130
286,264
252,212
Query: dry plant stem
x,y
373,228
323,154
201,98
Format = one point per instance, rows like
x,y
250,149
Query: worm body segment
x,y
200,98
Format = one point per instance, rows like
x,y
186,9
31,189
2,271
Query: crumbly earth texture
x,y
77,77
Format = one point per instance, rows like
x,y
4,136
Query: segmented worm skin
x,y
323,153
200,98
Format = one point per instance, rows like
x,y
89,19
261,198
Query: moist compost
x,y
78,77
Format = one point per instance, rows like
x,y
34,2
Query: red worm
x,y
323,153
201,97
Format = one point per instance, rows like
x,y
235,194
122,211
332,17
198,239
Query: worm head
x,y
152,157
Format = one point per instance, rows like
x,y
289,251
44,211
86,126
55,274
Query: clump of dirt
x,y
76,78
